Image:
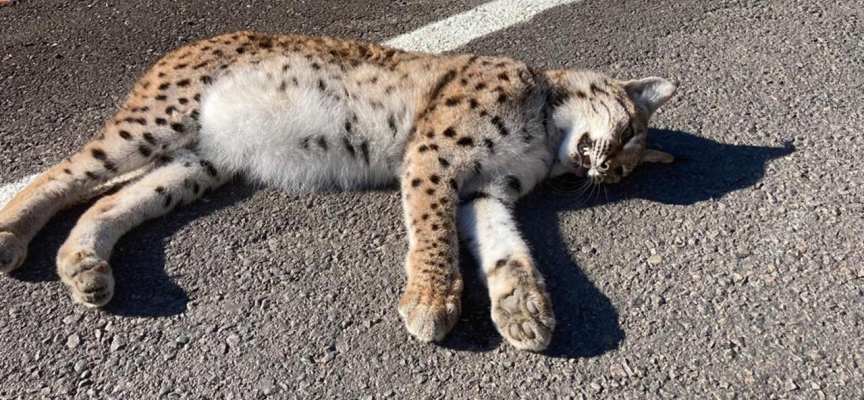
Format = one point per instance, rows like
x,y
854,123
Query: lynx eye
x,y
627,135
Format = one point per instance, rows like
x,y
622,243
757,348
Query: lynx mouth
x,y
583,152
579,172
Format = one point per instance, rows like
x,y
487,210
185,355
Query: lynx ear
x,y
656,156
649,93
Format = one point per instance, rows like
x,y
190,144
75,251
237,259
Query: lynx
x,y
464,136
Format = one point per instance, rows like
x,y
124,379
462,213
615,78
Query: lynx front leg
x,y
431,303
82,262
521,308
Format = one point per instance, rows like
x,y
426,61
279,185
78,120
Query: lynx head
x,y
604,122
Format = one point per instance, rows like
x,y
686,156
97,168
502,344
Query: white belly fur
x,y
251,126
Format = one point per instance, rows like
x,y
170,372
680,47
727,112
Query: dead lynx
x,y
464,135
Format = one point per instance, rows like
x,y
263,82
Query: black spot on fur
x,y
67,171
454,185
178,127
99,154
489,144
109,166
504,77
435,179
364,150
206,79
197,97
148,137
450,132
183,83
161,97
480,86
416,182
453,101
125,135
465,141
321,85
391,122
161,121
322,142
502,98
160,189
304,143
472,103
349,147
164,86
499,124
91,175
145,151
442,83
211,170
168,199
443,162
514,183
170,109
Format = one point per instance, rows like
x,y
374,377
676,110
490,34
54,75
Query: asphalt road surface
x,y
737,271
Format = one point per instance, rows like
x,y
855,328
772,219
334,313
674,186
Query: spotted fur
x,y
463,135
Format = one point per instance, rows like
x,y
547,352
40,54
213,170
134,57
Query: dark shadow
x,y
475,330
142,288
587,320
703,170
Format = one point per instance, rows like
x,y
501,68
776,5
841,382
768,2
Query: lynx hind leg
x,y
82,262
521,309
125,144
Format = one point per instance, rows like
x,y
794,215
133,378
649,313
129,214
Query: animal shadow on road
x,y
587,321
142,288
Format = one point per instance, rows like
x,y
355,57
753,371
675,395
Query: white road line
x,y
445,35
458,30
9,190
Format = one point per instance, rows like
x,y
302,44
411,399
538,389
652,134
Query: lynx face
x,y
604,124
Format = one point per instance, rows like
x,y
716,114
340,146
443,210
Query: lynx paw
x,y
12,252
88,277
429,315
524,317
